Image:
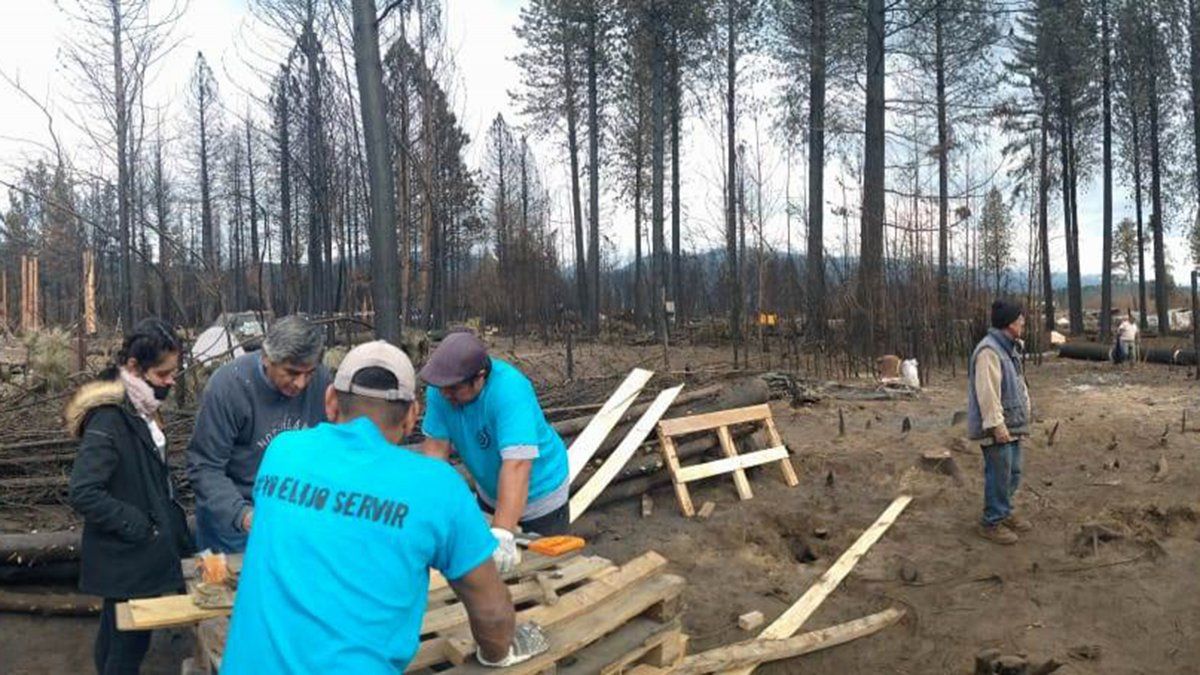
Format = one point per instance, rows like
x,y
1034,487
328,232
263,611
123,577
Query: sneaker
x,y
1017,523
997,534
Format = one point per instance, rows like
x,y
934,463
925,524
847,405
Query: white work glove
x,y
506,556
528,641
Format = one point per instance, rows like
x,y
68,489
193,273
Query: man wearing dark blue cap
x,y
998,416
487,412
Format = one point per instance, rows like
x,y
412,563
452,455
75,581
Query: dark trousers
x,y
118,652
555,522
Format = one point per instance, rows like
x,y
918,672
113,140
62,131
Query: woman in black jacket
x,y
134,532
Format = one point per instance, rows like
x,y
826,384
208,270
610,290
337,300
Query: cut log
x,y
574,425
57,572
632,485
49,604
33,460
705,399
753,652
39,547
36,482
584,497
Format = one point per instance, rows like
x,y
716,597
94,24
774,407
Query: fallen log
x,y
753,393
49,604
649,460
1092,351
754,652
39,547
33,460
35,482
57,572
574,425
633,486
35,445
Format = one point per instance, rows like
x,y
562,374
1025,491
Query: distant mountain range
x,y
712,260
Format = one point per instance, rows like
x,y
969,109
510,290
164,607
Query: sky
x,y
481,43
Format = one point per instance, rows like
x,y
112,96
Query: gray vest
x,y
1014,396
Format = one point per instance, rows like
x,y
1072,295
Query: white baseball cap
x,y
377,354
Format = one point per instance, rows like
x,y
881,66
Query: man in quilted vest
x,y
999,416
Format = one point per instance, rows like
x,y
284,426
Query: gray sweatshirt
x,y
240,414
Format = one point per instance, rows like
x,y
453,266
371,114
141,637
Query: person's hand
x,y
528,641
247,520
1001,434
506,556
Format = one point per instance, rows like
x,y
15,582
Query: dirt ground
x,y
1128,604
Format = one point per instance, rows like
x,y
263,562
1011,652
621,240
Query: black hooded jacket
x,y
134,532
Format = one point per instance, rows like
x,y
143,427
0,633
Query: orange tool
x,y
552,546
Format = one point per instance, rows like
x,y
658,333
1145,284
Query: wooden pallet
x,y
733,462
599,618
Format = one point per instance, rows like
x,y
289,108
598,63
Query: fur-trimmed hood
x,y
89,397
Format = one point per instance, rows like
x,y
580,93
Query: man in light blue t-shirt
x,y
487,412
346,527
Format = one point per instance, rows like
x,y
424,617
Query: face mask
x,y
161,392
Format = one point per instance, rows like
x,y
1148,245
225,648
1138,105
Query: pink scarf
x,y
140,394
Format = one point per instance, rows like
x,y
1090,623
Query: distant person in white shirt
x,y
1127,334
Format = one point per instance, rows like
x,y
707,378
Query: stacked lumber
x,y
599,618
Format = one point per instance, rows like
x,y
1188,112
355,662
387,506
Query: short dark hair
x,y
391,413
148,343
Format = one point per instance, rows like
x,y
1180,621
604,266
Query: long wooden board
x,y
754,652
164,612
794,617
717,467
179,610
593,435
680,426
615,461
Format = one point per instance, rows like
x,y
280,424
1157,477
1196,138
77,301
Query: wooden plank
x,y
589,440
616,461
739,475
679,426
785,464
717,467
754,652
570,605
530,563
124,618
576,633
622,648
165,612
794,617
750,620
666,446
438,619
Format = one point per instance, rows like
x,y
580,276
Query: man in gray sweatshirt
x,y
246,404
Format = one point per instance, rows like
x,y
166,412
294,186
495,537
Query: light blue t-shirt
x,y
504,422
336,574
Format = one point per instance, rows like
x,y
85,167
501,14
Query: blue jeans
x,y
210,535
1001,477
